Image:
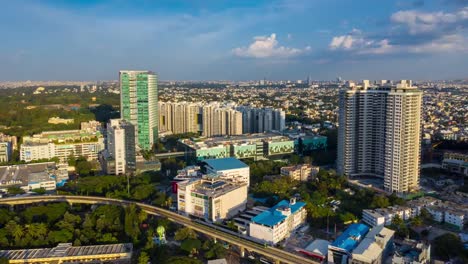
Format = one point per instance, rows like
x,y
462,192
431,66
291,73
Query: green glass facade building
x,y
139,105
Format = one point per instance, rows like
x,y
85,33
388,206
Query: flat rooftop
x,y
199,143
225,164
64,250
22,174
273,216
350,238
213,188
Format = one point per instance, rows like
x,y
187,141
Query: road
x,y
269,252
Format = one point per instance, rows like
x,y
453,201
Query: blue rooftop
x,y
225,164
272,216
351,237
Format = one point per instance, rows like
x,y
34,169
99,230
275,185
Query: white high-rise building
x,y
379,133
120,157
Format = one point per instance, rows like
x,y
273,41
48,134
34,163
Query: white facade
x,y
455,218
379,134
30,152
276,224
241,175
211,199
301,172
116,145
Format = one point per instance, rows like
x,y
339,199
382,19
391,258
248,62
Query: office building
x,y
211,198
228,168
277,223
120,155
66,253
62,145
255,146
139,105
379,134
300,172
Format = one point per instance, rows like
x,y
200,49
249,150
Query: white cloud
x,y
343,42
423,22
267,47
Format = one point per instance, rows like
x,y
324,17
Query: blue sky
x,y
235,40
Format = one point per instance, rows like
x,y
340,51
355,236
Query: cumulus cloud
x,y
410,31
267,47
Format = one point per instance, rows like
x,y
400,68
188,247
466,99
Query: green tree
x,y
143,258
185,233
14,230
191,245
60,236
83,167
41,190
215,250
15,190
183,260
380,201
143,191
132,222
416,221
449,246
4,260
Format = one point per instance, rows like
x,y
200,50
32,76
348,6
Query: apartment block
x,y
379,133
300,172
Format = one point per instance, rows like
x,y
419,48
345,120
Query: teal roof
x,y
272,216
351,237
225,164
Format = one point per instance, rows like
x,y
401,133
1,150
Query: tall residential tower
x,y
139,105
380,133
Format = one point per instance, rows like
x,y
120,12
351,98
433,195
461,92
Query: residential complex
x,y
300,172
455,162
256,146
442,212
211,198
139,105
120,154
218,119
66,253
62,145
278,222
379,133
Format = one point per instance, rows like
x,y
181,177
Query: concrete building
x,y
120,154
58,120
62,145
7,145
412,252
455,163
300,172
339,251
260,120
179,118
379,134
278,222
211,198
139,105
228,168
28,177
375,247
66,253
256,146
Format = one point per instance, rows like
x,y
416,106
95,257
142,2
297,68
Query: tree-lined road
x,y
245,244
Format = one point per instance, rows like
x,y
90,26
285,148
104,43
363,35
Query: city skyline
x,y
241,40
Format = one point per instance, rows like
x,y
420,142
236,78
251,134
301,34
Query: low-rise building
x,y
412,252
57,120
28,177
211,198
228,168
278,222
255,146
300,172
66,253
375,247
62,144
339,251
